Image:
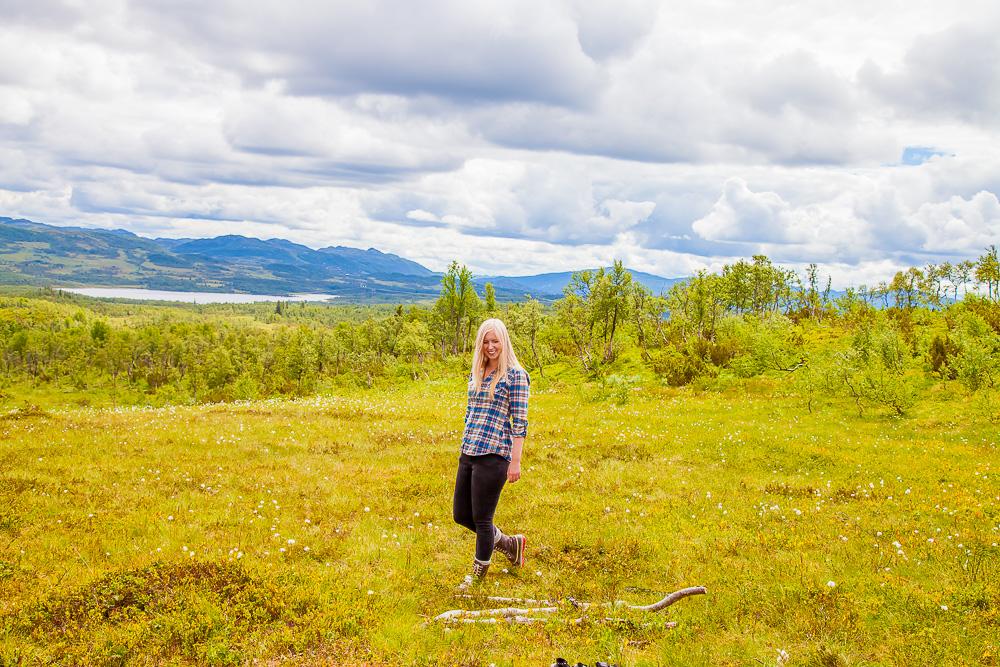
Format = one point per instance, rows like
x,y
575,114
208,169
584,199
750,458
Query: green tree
x,y
696,305
490,299
814,302
988,273
575,318
962,274
457,304
614,303
648,315
975,359
219,368
525,320
737,285
871,372
100,331
905,287
415,341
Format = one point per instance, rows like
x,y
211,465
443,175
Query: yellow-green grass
x,y
319,531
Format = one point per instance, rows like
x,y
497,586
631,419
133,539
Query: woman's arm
x,y
519,391
514,469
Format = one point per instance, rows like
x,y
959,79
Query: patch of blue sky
x,y
916,155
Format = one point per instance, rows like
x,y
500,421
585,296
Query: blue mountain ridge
x,y
37,253
552,284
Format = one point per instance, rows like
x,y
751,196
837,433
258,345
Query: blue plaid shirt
x,y
492,425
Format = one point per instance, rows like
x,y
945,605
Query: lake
x,y
188,297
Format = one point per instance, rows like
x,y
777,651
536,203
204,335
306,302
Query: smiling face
x,y
491,348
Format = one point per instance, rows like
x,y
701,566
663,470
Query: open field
x,y
319,530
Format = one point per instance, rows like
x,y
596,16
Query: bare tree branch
x,y
671,598
526,614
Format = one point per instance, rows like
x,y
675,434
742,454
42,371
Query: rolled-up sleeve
x,y
519,390
468,400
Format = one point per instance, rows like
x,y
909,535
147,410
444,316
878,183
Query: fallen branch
x,y
520,601
671,598
502,611
527,620
527,614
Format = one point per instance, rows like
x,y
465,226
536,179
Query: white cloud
x,y
822,232
616,216
742,215
612,28
950,73
337,138
422,216
513,199
875,216
15,110
677,136
959,225
498,49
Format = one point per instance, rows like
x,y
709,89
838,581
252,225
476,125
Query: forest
x,y
873,345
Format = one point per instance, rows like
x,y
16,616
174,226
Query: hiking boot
x,y
479,570
512,546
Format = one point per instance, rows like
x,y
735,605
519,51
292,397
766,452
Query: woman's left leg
x,y
489,474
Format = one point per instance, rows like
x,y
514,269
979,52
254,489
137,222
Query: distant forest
x,y
874,345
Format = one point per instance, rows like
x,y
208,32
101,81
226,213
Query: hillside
x,y
35,253
39,254
553,283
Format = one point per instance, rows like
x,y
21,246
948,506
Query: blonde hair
x,y
507,360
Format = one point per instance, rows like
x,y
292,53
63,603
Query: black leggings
x,y
477,490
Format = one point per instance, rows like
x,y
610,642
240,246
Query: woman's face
x,y
491,346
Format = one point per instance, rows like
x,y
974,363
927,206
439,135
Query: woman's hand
x,y
514,469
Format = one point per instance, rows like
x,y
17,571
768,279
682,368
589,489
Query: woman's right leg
x,y
489,474
461,508
464,511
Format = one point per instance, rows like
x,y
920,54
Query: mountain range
x,y
34,253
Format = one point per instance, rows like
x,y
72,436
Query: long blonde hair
x,y
507,360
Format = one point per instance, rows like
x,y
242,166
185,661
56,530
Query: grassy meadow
x,y
318,530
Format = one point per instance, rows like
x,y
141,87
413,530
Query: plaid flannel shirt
x,y
492,425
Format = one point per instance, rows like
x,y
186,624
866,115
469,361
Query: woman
x,y
496,422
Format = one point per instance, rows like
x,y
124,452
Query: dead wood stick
x,y
656,606
526,620
524,613
671,598
521,601
494,619
502,611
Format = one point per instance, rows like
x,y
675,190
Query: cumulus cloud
x,y
742,215
496,50
958,225
675,136
875,218
42,13
796,80
953,73
509,199
764,222
799,111
612,28
339,140
616,216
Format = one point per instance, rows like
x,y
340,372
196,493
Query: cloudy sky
x,y
517,137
